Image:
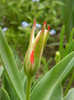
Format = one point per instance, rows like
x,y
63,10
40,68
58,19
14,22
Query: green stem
x,y
28,88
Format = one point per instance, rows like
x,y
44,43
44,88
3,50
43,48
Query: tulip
x,y
35,49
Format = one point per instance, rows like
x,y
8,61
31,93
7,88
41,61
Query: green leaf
x,y
43,61
23,77
70,95
70,45
69,83
1,70
59,3
61,41
67,12
11,66
57,93
47,66
41,6
8,87
17,58
4,95
45,87
71,35
22,73
69,48
35,83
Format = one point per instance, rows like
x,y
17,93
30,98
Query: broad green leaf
x,y
45,87
8,87
35,82
4,95
22,73
69,83
23,77
70,95
57,93
11,66
17,58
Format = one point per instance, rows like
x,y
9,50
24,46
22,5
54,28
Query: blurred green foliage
x,y
14,12
68,16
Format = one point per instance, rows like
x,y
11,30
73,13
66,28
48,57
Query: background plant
x,y
13,13
68,16
64,51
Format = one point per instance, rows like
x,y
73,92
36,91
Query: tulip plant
x,y
17,84
34,53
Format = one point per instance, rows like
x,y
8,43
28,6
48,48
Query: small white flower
x,y
24,24
52,32
38,26
45,2
35,0
2,23
5,29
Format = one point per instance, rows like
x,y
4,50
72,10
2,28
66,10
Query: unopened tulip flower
x,y
34,53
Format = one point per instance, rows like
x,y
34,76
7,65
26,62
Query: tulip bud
x,y
34,53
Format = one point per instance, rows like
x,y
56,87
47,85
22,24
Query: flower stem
x,y
28,88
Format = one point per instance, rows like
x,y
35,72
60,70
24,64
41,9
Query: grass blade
x,y
61,42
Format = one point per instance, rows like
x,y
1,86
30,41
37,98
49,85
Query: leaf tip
x,y
44,23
